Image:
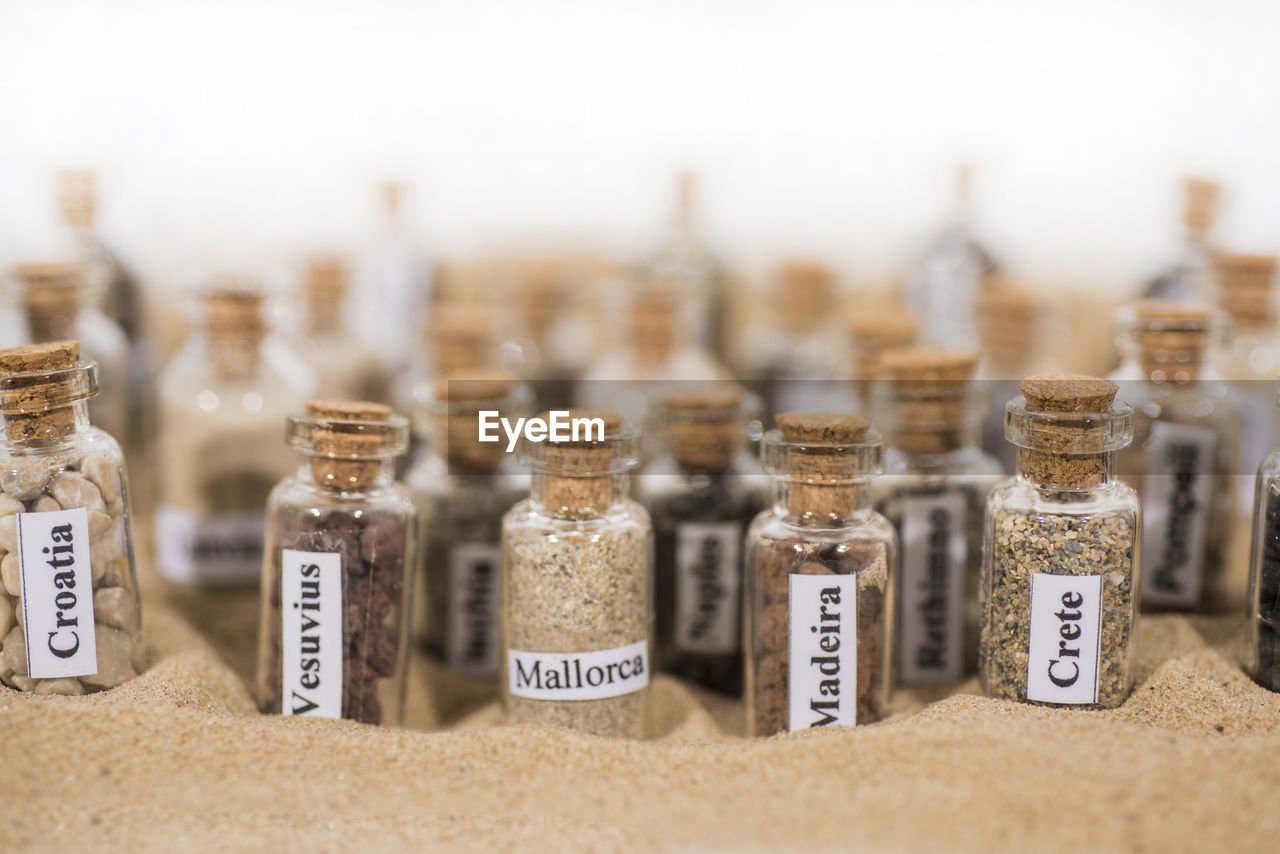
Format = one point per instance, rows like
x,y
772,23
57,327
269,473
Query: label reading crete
x,y
707,587
57,593
1062,662
1175,512
579,676
471,645
214,548
311,633
931,630
824,650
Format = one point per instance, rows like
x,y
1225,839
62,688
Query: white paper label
x,y
578,676
311,633
1062,662
1177,495
210,548
707,587
931,626
472,642
57,593
824,650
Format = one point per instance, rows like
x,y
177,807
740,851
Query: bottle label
x,y
707,588
934,559
1062,660
209,548
824,650
311,633
471,645
579,675
1178,492
57,593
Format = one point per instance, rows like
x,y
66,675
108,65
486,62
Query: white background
x,y
229,132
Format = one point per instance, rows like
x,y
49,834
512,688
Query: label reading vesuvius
x,y
578,676
211,548
311,633
707,587
931,633
1062,661
824,650
471,645
57,593
1175,513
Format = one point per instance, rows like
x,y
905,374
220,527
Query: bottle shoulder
x,y
1018,495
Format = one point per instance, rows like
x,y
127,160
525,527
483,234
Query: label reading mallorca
x,y
210,548
931,631
1062,662
707,587
579,676
471,645
311,633
57,593
824,650
1175,513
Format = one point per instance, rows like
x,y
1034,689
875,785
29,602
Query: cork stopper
x,y
348,439
1171,339
51,295
1245,286
579,475
821,456
78,197
654,323
325,291
706,426
873,331
38,384
461,337
455,418
928,394
1007,325
1066,428
234,326
1200,202
804,295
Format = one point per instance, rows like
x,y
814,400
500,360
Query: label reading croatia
x,y
1062,662
57,593
824,650
471,645
1175,513
707,587
931,632
579,676
311,633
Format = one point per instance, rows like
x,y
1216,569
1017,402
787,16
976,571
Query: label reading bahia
x,y
931,635
57,593
311,633
824,650
707,587
471,645
1062,662
579,676
1175,513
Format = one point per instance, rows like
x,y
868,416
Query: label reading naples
x,y
579,676
57,593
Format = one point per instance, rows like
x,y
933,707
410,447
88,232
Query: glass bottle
x,y
1186,427
69,611
337,570
1061,553
462,487
820,580
1191,276
577,586
221,403
935,487
345,367
1263,659
873,331
702,493
57,301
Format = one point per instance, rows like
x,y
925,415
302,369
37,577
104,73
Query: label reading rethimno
x,y
1062,662
57,593
931,591
471,644
824,650
311,633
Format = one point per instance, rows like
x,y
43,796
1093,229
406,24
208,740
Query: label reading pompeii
x,y
57,593
1175,512
1062,662
216,548
707,587
931,628
579,676
824,650
471,645
311,633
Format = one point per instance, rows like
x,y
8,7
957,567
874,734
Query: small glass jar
x,y
935,487
702,494
820,580
221,403
1264,579
346,367
462,487
335,579
69,613
1061,551
577,586
1186,426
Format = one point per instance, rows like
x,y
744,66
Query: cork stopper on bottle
x,y
50,295
461,338
804,294
825,457
459,398
78,197
345,455
654,324
325,291
873,332
1245,286
579,475
1200,201
38,384
234,326
1068,430
1172,338
929,397
706,426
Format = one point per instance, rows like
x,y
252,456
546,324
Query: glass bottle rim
x,y
856,459
1076,433
62,387
617,452
372,440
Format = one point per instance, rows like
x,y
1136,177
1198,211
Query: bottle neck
x,y
578,496
1061,472
44,426
234,354
802,501
340,476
